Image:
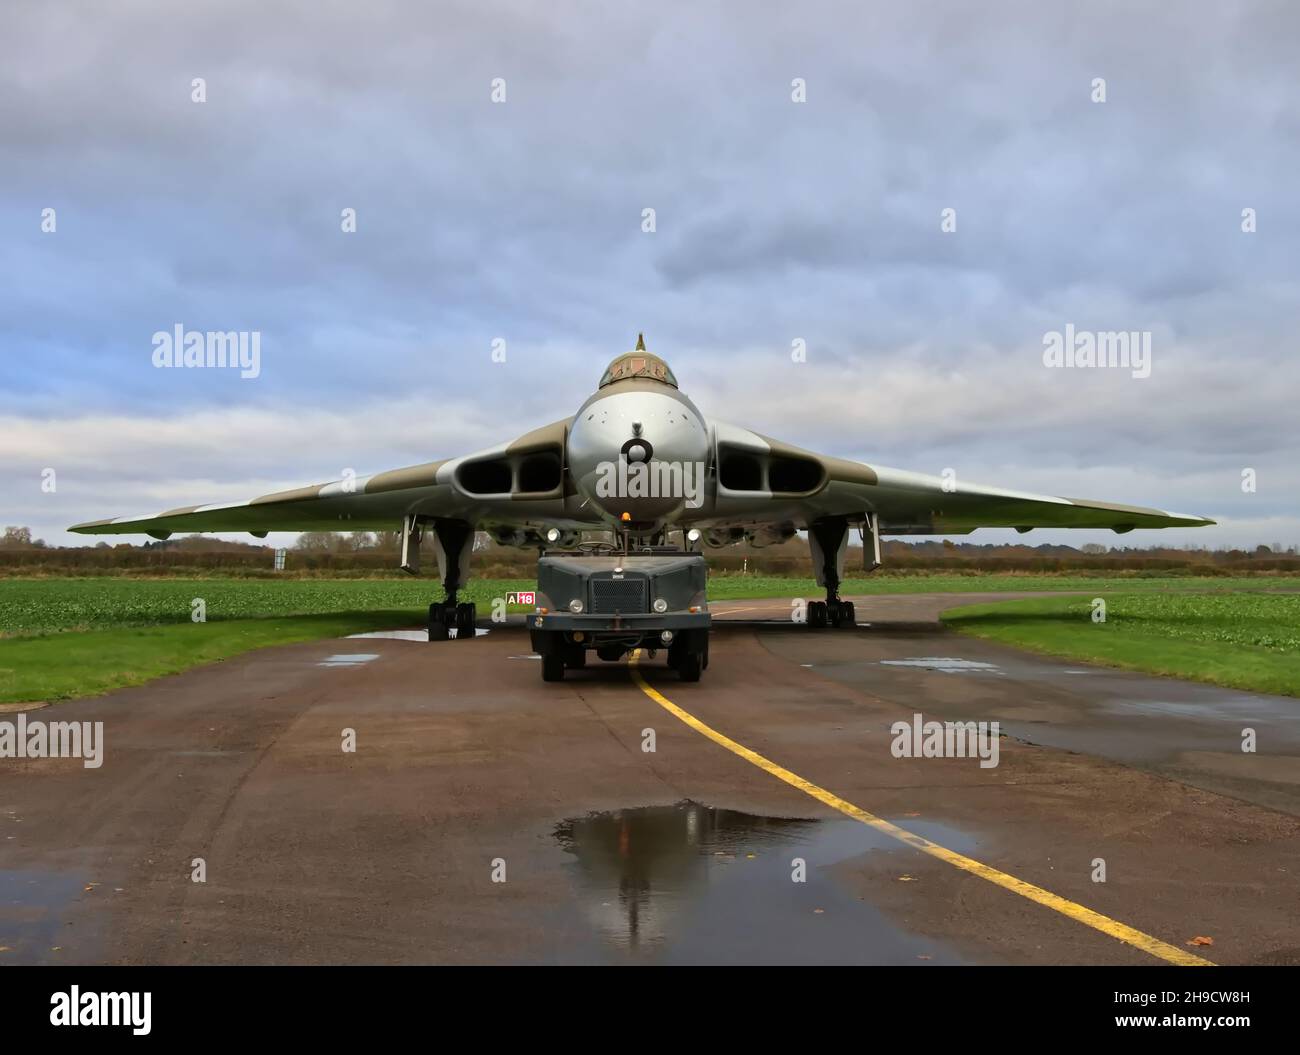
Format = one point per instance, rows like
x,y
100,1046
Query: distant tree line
x,y
366,553
20,538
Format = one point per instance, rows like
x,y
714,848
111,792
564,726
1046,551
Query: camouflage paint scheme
x,y
547,478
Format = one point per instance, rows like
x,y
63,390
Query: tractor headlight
x,y
575,606
660,605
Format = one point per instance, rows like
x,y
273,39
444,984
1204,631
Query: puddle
x,y
1226,709
348,659
693,884
947,664
33,914
409,635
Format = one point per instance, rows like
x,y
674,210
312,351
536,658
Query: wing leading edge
x,y
510,483
780,481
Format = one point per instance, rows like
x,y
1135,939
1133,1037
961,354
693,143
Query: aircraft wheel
x,y
848,617
437,623
817,614
466,617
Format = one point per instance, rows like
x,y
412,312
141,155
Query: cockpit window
x,y
638,364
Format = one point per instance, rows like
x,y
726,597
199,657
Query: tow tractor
x,y
608,600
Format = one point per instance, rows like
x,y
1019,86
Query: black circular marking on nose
x,y
644,444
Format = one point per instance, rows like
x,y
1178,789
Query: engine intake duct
x,y
744,470
532,474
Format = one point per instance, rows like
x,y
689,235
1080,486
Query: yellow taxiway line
x,y
1113,928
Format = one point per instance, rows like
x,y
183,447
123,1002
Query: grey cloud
x,y
776,221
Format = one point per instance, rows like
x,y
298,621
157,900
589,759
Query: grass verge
x,y
1245,641
61,666
65,637
42,605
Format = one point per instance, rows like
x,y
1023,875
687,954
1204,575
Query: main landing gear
x,y
828,539
830,612
454,538
448,615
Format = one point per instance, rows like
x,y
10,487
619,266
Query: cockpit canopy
x,y
638,364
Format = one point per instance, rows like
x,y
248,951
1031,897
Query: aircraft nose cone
x,y
641,453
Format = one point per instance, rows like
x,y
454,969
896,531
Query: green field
x,y
65,665
1243,640
44,605
65,637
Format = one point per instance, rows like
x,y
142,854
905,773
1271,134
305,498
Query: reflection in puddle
x,y
692,884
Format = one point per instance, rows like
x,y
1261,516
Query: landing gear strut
x,y
828,539
453,538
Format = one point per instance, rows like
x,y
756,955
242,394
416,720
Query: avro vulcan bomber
x,y
640,459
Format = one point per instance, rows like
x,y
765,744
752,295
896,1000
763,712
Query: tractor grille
x,y
618,595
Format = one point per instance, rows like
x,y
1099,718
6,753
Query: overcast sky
x,y
775,220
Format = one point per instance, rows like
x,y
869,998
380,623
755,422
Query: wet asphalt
x,y
488,817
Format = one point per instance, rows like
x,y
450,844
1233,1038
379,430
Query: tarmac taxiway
x,y
488,817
